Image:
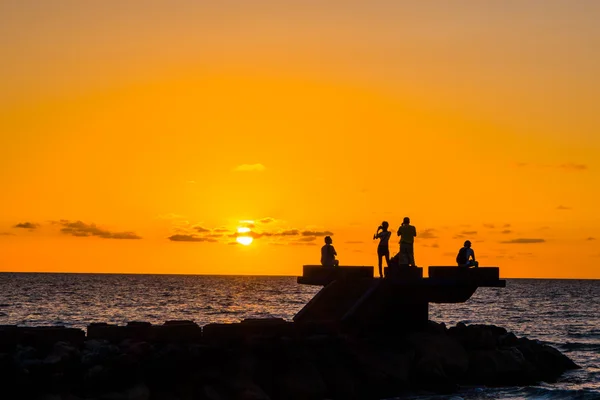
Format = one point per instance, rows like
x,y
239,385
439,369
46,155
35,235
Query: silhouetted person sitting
x,y
383,249
328,254
466,256
407,234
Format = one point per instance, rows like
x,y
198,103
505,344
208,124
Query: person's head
x,y
467,243
328,240
385,225
406,221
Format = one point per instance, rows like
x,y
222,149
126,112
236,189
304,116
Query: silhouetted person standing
x,y
466,256
383,249
407,234
328,254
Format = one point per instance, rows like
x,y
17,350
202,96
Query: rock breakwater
x,y
263,359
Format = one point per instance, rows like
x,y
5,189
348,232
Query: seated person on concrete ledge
x,y
328,254
466,256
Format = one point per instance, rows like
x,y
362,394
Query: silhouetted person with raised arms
x,y
407,234
466,256
383,249
328,254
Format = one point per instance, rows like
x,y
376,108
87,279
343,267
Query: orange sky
x,y
125,125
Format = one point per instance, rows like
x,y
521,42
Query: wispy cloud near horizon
x,y
524,241
27,225
81,229
250,168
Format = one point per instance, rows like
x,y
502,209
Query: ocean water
x,y
562,313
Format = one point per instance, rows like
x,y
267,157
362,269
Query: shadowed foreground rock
x,y
258,359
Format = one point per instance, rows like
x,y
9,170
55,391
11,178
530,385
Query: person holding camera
x,y
383,249
407,234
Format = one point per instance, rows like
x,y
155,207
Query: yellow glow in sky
x,y
157,139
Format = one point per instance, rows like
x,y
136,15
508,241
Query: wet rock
x,y
501,367
477,336
439,361
550,362
62,353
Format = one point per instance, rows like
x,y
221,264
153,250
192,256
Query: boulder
x,y
501,367
550,362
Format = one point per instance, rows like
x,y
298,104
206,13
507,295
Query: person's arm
x,y
399,230
334,252
473,254
414,231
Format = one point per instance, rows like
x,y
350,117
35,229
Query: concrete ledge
x,y
482,276
322,276
403,273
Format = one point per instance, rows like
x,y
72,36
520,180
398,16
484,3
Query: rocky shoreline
x,y
264,359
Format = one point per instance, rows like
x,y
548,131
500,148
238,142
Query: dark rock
x,y
477,336
501,367
45,336
550,362
439,361
177,331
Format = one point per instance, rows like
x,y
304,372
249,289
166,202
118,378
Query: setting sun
x,y
245,240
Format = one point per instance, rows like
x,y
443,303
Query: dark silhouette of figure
x,y
407,234
383,249
328,254
466,256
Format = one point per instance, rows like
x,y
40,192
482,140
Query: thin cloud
x,y
468,233
190,238
506,232
489,226
317,233
561,207
200,229
27,225
221,230
307,239
435,246
7,234
590,238
250,168
427,234
354,242
266,220
506,226
524,241
81,229
289,232
573,167
303,244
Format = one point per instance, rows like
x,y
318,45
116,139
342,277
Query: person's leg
x,y
387,258
336,263
411,255
380,256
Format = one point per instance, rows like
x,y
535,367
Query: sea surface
x,y
562,313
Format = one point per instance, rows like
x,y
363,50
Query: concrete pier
x,y
354,299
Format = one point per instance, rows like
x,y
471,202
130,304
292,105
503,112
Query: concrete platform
x,y
322,276
351,297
